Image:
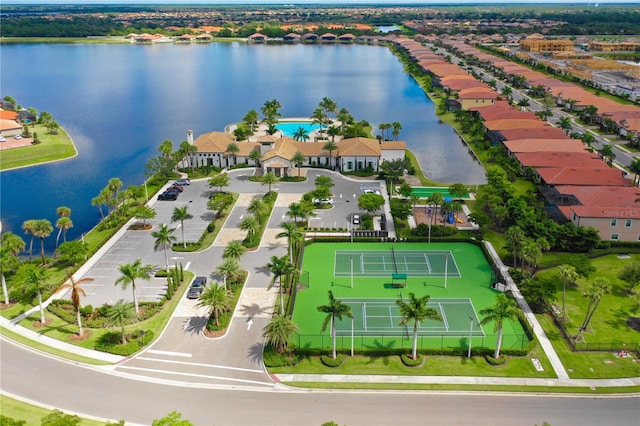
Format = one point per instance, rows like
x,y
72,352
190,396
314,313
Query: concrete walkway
x,y
546,345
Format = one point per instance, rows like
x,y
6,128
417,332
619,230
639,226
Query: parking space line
x,y
199,364
154,351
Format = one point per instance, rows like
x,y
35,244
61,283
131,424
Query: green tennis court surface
x,y
462,292
382,316
427,191
431,263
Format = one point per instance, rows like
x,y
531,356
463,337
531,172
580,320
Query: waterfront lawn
x,y
52,148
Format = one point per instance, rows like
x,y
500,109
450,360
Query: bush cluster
x,y
410,362
272,358
328,361
111,342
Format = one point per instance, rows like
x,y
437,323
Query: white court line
x,y
182,354
195,375
444,317
198,364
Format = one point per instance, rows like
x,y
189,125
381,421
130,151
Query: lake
x,y
119,102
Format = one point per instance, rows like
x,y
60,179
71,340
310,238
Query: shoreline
x,y
66,142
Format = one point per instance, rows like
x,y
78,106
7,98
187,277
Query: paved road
x,y
98,392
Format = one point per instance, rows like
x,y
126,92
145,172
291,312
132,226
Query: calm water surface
x,y
119,102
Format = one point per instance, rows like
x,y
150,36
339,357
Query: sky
x,y
319,2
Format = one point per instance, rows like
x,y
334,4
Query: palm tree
x,y
436,199
567,273
330,146
257,207
344,117
328,105
251,119
130,273
250,225
279,331
334,310
120,315
606,152
217,300
298,158
599,288
164,238
416,310
99,201
35,277
42,229
565,124
28,226
634,167
318,117
588,138
187,150
11,246
229,269
333,131
293,236
523,104
280,267
113,187
76,292
181,214
515,239
301,134
270,179
232,149
234,250
63,212
396,130
297,211
503,309
255,155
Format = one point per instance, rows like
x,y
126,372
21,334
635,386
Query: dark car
x,y
175,188
197,287
168,196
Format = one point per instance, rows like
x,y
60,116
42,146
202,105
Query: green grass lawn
x,y
32,414
609,322
474,283
52,148
433,366
63,331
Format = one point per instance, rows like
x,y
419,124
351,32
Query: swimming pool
x,y
289,128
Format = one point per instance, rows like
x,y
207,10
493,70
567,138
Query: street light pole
x,y
470,337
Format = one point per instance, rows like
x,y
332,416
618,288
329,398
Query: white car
x,y
323,201
356,219
371,191
3,139
17,137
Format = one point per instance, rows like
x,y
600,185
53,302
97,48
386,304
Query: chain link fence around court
x,y
388,342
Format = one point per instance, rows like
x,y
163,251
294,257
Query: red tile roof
x,y
549,145
581,176
538,159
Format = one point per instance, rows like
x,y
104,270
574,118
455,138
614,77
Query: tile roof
x,y
506,124
581,176
8,115
214,141
541,133
535,145
359,147
560,159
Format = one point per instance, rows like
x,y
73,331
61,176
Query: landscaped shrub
x,y
493,361
328,361
410,362
111,342
272,358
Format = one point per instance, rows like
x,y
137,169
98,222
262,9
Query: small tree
x,y
145,213
130,273
568,274
298,158
217,300
599,288
415,309
630,274
270,179
76,293
370,202
220,180
180,214
120,315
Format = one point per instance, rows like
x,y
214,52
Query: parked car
x,y
323,201
168,196
197,287
355,219
182,182
3,139
17,137
371,191
175,188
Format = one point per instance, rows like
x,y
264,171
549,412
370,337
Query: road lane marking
x,y
199,364
183,354
203,376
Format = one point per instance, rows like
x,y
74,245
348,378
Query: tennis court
x,y
383,263
382,316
